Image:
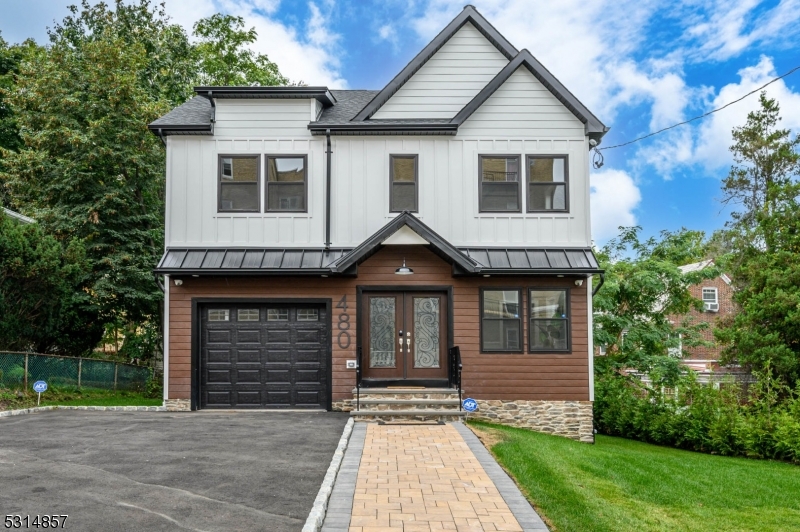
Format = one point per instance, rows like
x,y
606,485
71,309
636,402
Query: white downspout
x,y
166,337
591,337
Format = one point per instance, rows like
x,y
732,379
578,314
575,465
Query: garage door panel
x,y
248,336
250,361
247,356
248,376
308,355
248,398
219,376
219,336
275,356
309,336
278,336
218,398
219,356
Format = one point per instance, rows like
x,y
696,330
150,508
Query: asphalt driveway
x,y
167,471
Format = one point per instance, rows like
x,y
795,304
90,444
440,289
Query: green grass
x,y
625,485
10,399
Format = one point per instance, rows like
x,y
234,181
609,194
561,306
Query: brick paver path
x,y
424,478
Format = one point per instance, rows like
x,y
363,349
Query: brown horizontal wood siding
x,y
540,376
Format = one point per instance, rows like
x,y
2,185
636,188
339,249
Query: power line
x,y
701,116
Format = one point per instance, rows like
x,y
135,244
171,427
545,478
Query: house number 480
x,y
343,338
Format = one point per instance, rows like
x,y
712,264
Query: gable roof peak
x,y
468,15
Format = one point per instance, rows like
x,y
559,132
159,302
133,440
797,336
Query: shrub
x,y
701,418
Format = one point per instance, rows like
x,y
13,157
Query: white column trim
x,y
166,337
591,337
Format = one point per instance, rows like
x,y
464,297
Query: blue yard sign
x,y
39,387
470,405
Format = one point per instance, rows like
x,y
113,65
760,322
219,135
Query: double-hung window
x,y
500,184
403,172
239,179
287,179
710,299
549,320
547,183
501,320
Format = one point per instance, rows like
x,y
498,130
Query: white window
x,y
602,350
216,314
676,351
710,299
247,314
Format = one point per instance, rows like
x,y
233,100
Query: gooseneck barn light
x,y
404,270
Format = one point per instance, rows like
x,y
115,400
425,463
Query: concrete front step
x,y
409,394
443,402
408,404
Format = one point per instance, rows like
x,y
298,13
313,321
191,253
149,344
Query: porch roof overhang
x,y
344,262
250,261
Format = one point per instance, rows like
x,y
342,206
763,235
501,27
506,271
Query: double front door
x,y
404,335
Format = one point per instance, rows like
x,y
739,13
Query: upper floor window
x,y
403,173
238,183
710,299
549,320
547,183
500,184
287,179
501,320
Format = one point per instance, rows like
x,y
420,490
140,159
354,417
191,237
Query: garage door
x,y
264,356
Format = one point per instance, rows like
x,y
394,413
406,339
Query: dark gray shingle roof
x,y
348,104
195,112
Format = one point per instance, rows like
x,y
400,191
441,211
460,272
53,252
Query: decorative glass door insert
x,y
382,331
426,332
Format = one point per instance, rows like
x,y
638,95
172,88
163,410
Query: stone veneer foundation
x,y
178,405
346,405
571,419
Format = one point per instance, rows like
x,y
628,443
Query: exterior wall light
x,y
579,282
178,282
404,270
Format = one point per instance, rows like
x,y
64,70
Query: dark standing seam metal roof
x,y
213,261
534,260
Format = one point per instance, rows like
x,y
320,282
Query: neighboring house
x,y
17,217
309,229
717,297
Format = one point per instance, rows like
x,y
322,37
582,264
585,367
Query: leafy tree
x,y
223,56
44,305
765,332
644,290
169,67
89,168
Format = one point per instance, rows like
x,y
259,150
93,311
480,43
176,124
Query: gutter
x,y
597,288
328,153
210,97
160,134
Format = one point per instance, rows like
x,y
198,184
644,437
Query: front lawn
x,y
624,485
12,400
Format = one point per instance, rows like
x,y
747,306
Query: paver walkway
x,y
424,478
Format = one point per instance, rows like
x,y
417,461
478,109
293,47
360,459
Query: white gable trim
x,y
405,236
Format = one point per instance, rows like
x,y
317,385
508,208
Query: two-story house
x,y
319,241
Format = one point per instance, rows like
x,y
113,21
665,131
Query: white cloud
x,y
307,53
714,134
614,198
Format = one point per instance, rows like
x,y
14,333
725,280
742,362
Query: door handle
x,y
408,342
401,342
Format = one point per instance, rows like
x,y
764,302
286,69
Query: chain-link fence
x,y
21,370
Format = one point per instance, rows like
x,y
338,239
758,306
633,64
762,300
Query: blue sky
x,y
640,65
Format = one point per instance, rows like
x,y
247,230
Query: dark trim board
x,y
447,289
197,331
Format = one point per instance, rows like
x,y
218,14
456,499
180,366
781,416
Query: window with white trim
x,y
710,299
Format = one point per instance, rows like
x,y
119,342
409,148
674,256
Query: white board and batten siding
x,y
454,75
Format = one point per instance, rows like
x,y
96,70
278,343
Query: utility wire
x,y
701,116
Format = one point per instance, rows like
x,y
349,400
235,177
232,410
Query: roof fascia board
x,y
322,94
469,14
525,58
369,127
374,243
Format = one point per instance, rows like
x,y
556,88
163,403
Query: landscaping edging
x,y
317,514
23,411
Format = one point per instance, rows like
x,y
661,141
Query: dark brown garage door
x,y
264,356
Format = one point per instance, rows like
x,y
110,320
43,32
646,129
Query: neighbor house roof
x,y
702,265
